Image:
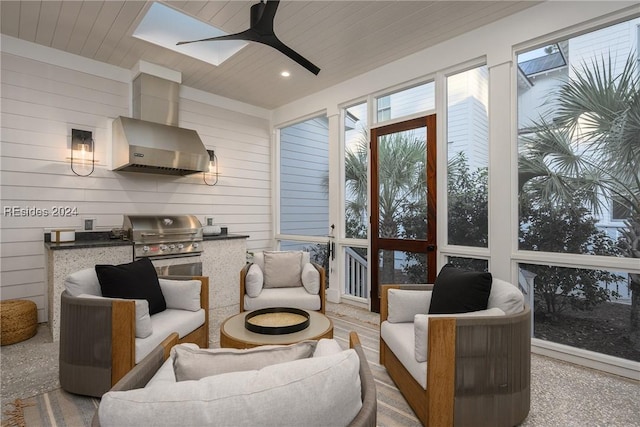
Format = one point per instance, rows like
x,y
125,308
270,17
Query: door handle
x,y
431,248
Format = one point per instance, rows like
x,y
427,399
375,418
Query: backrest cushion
x,y
282,269
181,294
460,291
305,392
506,297
253,281
83,282
134,280
327,347
194,363
258,258
143,320
310,279
404,304
421,328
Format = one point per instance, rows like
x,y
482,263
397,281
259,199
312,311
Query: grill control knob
x,y
172,247
180,246
163,247
145,249
195,245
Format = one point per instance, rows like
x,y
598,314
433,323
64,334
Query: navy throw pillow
x,y
460,291
134,280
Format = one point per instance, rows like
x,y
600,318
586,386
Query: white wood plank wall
x,y
41,103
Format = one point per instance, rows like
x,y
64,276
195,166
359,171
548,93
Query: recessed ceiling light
x,y
285,74
165,26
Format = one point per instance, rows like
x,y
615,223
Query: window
x,y
406,102
304,171
356,160
467,154
578,168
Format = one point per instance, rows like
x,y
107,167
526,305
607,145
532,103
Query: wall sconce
x,y
211,177
82,146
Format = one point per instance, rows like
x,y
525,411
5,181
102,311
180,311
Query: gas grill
x,y
167,240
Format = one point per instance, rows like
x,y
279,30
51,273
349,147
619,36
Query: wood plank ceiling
x,y
344,38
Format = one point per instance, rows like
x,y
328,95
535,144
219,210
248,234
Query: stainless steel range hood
x,y
151,142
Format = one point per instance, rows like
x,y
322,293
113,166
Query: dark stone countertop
x,y
98,239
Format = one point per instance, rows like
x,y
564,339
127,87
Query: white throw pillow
x,y
143,320
307,392
404,304
327,347
181,294
83,282
194,363
253,281
505,296
311,279
282,269
421,328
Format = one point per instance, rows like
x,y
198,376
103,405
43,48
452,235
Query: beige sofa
x,y
282,279
319,385
470,369
101,339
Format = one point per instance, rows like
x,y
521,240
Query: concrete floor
x,y
562,394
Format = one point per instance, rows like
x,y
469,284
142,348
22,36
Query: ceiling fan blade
x,y
263,16
275,43
249,35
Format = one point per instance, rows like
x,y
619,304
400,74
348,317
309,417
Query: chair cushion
x,y
404,304
253,281
144,327
400,338
166,322
282,269
134,280
283,297
195,363
421,328
83,282
506,297
460,291
305,392
311,279
181,294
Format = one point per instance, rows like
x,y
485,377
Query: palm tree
x,y
589,146
402,178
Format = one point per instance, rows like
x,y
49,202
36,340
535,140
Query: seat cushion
x,y
400,338
283,297
460,291
166,322
134,280
306,392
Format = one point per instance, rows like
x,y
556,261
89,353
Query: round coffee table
x,y
233,333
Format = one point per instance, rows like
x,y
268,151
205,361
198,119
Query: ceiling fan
x,y
261,31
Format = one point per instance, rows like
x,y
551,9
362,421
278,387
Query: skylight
x,y
165,26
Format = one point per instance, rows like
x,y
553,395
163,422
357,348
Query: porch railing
x,y
356,274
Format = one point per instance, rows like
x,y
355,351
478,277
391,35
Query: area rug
x,y
56,408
